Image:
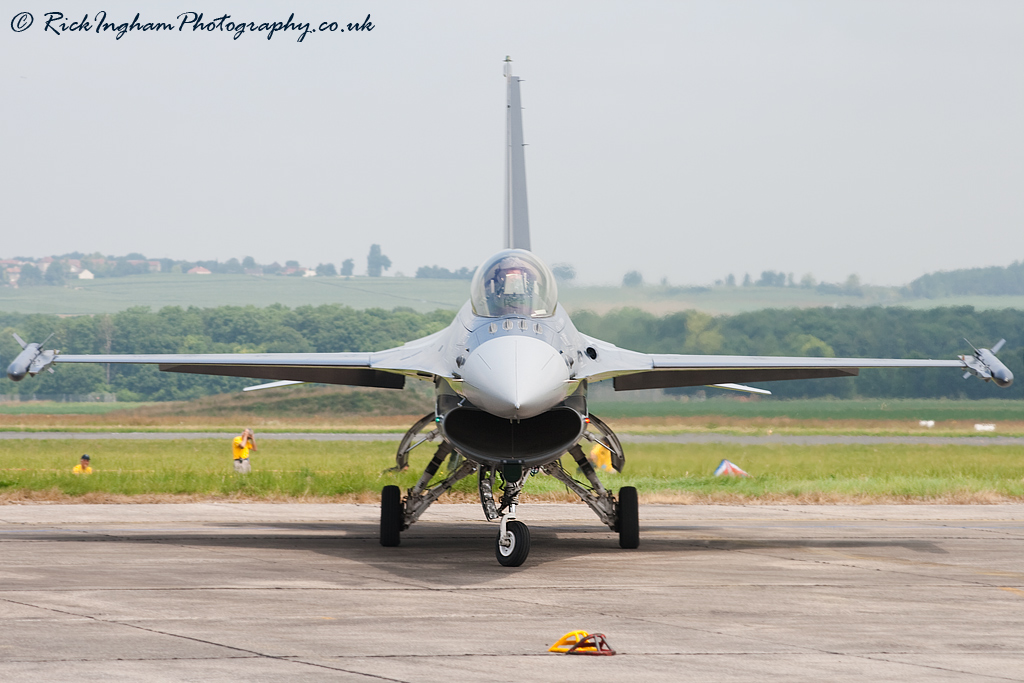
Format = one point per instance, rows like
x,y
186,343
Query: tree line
x,y
993,281
59,270
226,329
847,332
874,332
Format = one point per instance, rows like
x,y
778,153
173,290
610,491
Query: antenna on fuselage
x,y
517,220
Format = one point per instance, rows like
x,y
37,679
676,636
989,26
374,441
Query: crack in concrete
x,y
252,653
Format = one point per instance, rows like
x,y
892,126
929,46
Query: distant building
x,y
13,273
308,272
86,274
199,270
154,266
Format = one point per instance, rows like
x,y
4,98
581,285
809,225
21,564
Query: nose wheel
x,y
512,545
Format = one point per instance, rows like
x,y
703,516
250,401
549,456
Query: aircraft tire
x,y
516,554
629,518
391,516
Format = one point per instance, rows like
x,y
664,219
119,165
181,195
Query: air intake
x,y
489,439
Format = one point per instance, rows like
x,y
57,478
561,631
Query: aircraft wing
x,y
387,369
630,370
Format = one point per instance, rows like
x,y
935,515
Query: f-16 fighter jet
x,y
511,375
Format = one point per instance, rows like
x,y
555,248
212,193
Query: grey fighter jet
x,y
511,375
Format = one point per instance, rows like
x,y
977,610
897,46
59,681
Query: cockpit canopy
x,y
513,282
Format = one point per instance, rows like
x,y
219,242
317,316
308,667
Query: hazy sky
x,y
686,140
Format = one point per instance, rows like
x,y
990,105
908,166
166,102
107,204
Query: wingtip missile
x,y
984,365
31,361
18,368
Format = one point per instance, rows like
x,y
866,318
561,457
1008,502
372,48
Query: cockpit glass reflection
x,y
514,282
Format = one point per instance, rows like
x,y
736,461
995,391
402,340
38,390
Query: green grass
x,y
986,410
55,408
204,467
896,471
110,295
296,469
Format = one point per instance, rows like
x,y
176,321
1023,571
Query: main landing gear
x,y
622,515
397,515
512,544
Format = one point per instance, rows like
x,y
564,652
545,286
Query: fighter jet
x,y
511,375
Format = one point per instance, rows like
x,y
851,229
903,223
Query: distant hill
x,y
156,290
991,281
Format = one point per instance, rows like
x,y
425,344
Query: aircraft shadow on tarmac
x,y
436,553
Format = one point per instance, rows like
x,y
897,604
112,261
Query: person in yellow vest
x,y
601,458
240,446
83,466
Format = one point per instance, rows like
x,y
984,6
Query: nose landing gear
x,y
512,546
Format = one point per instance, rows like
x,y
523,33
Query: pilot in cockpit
x,y
513,282
511,289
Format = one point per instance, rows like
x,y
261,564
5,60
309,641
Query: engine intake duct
x,y
487,438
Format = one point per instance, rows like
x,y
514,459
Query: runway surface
x,y
797,440
263,592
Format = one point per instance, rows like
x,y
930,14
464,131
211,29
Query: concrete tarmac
x,y
264,592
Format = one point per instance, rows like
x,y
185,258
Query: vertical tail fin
x,y
517,220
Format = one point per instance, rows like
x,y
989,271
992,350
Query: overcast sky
x,y
684,140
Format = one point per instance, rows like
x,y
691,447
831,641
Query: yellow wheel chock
x,y
568,641
582,643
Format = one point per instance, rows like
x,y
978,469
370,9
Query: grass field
x,y
168,471
110,295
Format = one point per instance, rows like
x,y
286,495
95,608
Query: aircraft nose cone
x,y
515,377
